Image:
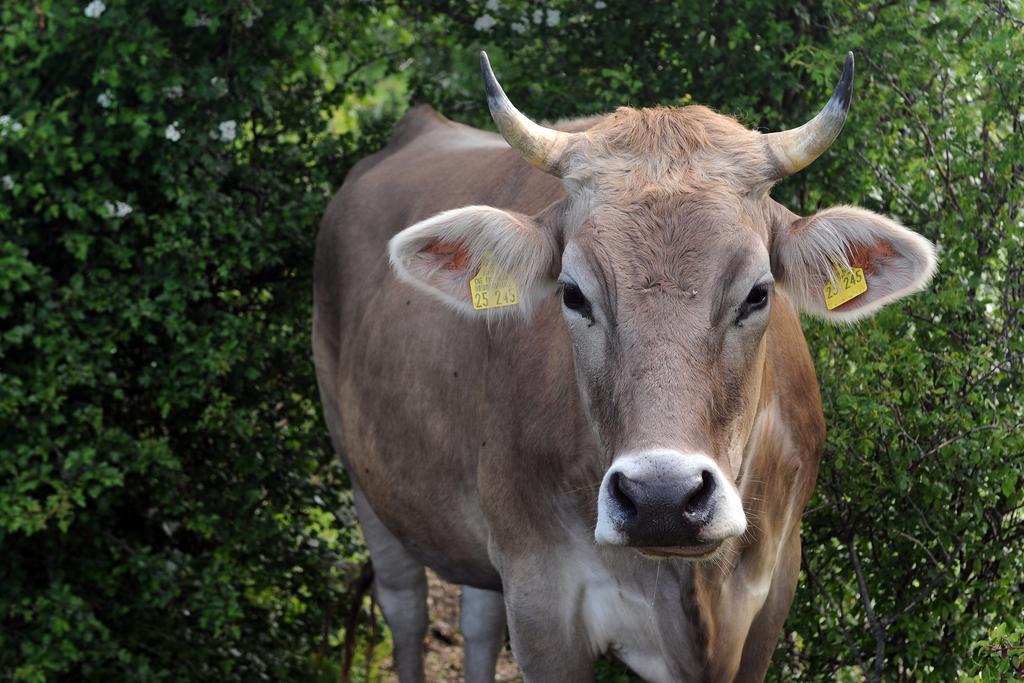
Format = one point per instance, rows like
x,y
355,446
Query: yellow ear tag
x,y
492,290
847,284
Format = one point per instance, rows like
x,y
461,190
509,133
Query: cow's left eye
x,y
757,297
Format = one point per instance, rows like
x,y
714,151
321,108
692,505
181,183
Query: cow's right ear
x,y
442,254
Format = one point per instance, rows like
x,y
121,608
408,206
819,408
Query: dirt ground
x,y
442,648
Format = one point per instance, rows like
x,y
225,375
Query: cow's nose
x,y
662,511
667,499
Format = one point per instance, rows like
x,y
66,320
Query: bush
x,y
169,508
168,498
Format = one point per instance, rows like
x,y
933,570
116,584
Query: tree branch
x,y
908,106
877,630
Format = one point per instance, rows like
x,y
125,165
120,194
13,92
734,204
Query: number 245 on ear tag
x,y
492,290
846,284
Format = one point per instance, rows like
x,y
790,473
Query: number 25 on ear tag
x,y
492,290
847,284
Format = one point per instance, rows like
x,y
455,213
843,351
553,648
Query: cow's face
x,y
667,298
667,255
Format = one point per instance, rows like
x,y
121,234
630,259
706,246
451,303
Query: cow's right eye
x,y
574,300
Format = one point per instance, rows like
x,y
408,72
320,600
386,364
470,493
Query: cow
x,y
564,367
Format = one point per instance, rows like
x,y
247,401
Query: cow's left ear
x,y
480,260
805,252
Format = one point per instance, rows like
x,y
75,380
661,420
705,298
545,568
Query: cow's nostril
x,y
697,503
618,490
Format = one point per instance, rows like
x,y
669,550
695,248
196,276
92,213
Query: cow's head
x,y
667,254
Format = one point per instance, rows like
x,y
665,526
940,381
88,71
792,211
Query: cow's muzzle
x,y
668,503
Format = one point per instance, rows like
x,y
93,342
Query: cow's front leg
x,y
548,643
482,620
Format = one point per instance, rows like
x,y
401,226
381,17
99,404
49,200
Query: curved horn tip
x,y
485,64
491,85
844,89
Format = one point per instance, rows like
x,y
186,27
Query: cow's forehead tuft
x,y
688,148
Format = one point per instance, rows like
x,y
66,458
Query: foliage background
x,y
169,508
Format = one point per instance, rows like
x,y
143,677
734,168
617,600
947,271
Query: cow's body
x,y
669,391
427,408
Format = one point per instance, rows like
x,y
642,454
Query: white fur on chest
x,y
618,617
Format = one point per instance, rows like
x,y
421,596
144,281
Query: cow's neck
x,y
729,594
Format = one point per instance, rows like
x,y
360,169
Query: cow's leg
x,y
400,587
482,620
547,646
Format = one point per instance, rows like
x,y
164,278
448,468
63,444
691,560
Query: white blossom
x,y
493,5
518,27
173,92
172,133
94,9
538,16
8,182
105,100
228,130
600,4
220,85
117,209
484,23
8,123
553,17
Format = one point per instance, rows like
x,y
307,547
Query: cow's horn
x,y
796,148
542,147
